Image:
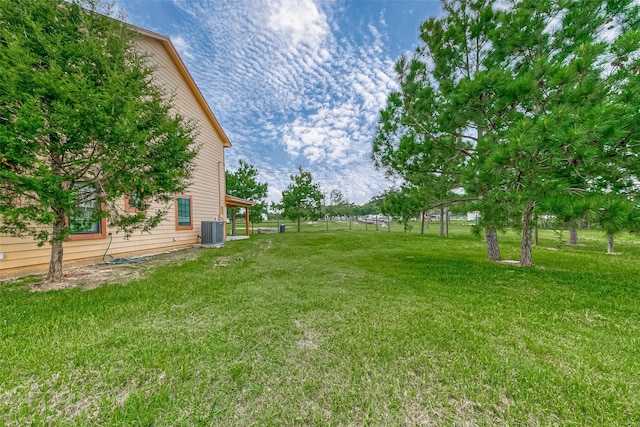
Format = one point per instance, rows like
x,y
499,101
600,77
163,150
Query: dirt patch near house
x,y
91,276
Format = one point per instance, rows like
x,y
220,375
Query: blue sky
x,y
293,82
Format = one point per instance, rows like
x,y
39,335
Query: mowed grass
x,y
344,328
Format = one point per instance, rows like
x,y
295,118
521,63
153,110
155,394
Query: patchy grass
x,y
335,328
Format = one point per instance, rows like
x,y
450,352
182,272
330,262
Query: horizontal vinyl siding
x,y
21,253
207,190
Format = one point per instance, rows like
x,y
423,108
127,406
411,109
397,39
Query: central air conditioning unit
x,y
212,232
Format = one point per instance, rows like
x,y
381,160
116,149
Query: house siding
x,y
207,189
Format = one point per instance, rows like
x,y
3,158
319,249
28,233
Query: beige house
x,y
203,201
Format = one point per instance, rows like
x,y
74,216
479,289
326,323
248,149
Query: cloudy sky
x,y
293,82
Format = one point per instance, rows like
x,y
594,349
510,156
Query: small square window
x,y
134,202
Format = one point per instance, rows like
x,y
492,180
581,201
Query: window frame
x,y
190,198
130,209
102,227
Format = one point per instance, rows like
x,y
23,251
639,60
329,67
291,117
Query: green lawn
x,y
345,328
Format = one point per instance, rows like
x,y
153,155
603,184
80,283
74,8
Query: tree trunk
x,y
610,243
441,222
55,263
573,235
376,222
422,227
526,255
389,224
493,250
299,219
535,235
448,220
350,222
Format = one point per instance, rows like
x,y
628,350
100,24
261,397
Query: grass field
x,y
344,328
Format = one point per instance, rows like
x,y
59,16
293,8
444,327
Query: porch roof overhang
x,y
236,202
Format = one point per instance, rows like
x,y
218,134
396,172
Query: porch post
x,y
246,219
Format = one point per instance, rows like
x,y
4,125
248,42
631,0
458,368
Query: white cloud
x,y
283,79
183,47
297,22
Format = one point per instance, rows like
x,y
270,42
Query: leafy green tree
x,y
338,205
82,125
372,207
243,183
402,205
302,199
